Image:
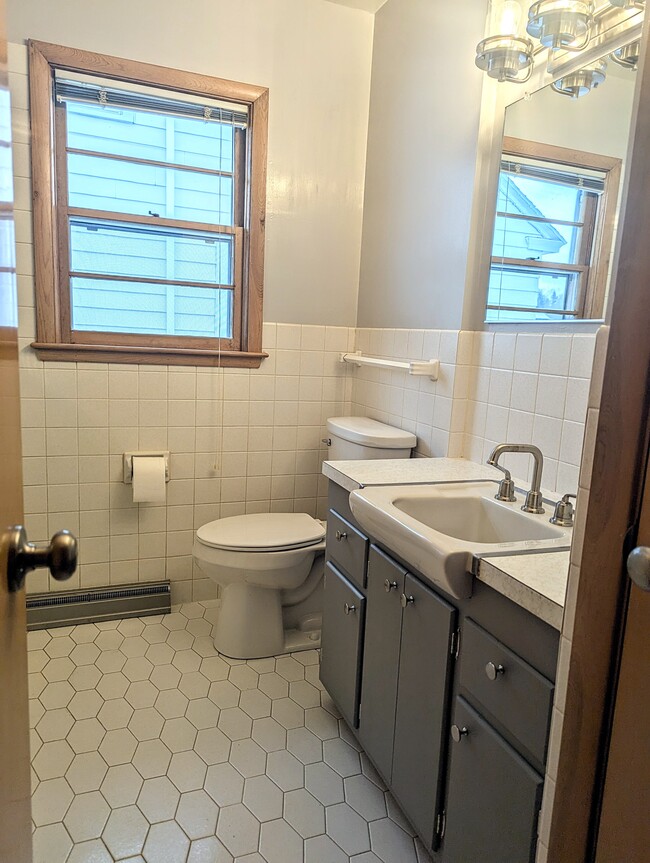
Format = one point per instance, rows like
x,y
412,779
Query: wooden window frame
x,y
54,338
591,302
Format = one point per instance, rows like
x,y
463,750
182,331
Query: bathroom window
x,y
149,197
550,256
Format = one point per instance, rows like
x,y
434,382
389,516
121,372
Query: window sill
x,y
147,355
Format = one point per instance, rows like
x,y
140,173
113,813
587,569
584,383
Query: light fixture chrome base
x,y
583,81
505,58
559,24
628,56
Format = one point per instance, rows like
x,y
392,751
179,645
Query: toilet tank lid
x,y
363,430
262,531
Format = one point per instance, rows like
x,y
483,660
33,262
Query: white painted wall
x,y
422,139
315,57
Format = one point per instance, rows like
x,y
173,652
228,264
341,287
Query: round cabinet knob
x,y
340,535
406,600
494,671
390,585
349,609
457,733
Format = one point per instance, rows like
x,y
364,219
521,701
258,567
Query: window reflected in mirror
x,y
558,200
551,249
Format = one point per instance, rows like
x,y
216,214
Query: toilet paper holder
x,y
128,462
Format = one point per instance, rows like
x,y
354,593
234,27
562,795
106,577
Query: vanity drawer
x,y
347,547
508,688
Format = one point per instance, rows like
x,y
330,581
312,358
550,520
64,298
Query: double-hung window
x,y
551,249
148,211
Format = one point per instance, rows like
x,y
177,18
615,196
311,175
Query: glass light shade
x,y
583,81
627,56
505,18
627,4
561,24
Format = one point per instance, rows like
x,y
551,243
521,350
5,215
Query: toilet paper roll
x,y
149,479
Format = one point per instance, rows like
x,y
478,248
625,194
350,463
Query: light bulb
x,y
505,18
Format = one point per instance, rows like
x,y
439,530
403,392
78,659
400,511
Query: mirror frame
x,y
618,27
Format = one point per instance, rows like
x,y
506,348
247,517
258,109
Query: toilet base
x,y
249,625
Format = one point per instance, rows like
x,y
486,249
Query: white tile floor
x,y
149,746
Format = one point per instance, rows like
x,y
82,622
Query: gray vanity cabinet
x,y
422,693
406,675
381,659
341,642
493,798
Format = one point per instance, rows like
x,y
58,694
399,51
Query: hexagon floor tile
x,y
150,746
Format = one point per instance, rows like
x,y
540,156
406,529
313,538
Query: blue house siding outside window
x,y
157,167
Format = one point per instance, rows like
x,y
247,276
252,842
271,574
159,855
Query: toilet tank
x,y
364,438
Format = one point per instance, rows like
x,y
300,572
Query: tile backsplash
x,y
250,440
492,387
241,441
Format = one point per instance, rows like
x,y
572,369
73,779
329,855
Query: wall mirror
x,y
559,195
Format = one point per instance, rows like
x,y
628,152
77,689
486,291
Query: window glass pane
x,y
150,252
532,240
143,135
96,183
529,288
552,200
137,307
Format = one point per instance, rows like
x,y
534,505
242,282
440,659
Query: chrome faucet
x,y
533,501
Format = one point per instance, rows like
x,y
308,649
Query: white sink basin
x,y
437,529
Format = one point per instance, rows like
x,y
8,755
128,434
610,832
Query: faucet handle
x,y
564,511
506,490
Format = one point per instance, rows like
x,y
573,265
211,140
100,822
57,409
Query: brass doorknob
x,y
60,556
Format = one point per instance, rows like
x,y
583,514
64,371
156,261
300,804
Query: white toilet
x,y
269,565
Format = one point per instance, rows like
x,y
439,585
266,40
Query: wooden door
x,y
381,659
624,830
15,810
422,695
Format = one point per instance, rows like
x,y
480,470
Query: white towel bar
x,y
430,368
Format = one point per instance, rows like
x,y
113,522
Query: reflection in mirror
x,y
557,202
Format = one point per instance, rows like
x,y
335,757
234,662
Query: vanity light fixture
x,y
505,54
561,24
627,56
583,81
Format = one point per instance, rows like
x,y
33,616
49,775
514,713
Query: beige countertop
x,y
352,475
536,581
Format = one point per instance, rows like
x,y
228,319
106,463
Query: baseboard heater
x,y
71,607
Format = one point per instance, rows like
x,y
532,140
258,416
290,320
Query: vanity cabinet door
x,y
422,693
341,642
494,796
381,659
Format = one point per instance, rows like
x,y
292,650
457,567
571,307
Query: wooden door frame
x,y
619,464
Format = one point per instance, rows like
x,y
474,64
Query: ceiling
x,y
366,5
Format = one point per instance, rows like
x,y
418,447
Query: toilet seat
x,y
262,532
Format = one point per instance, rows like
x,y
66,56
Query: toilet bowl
x,y
259,560
269,566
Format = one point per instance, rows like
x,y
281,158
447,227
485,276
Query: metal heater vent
x,y
72,607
